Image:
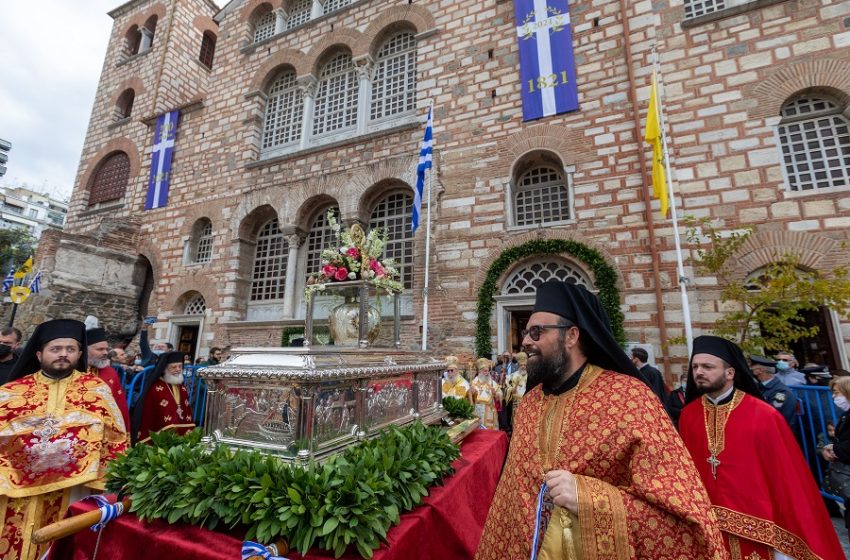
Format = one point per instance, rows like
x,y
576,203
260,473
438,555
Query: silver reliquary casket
x,y
308,402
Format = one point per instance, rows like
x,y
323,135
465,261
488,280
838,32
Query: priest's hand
x,y
563,490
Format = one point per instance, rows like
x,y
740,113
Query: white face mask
x,y
841,402
173,378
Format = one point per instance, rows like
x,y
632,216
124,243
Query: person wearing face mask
x,y
676,400
786,370
838,452
774,392
163,401
60,426
150,355
10,342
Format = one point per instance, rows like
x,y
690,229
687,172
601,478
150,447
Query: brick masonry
x,y
725,81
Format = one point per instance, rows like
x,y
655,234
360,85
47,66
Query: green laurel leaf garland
x,y
458,408
351,500
604,275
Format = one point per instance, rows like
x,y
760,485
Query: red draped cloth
x,y
109,375
447,525
763,494
166,407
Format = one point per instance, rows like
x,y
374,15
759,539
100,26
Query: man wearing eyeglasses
x,y
595,463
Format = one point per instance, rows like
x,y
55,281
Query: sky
x,y
52,54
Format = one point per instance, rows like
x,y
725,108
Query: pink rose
x,y
341,274
377,268
328,270
353,252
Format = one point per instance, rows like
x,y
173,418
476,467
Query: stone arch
x,y
581,272
606,278
179,292
284,58
815,252
139,19
134,83
308,211
567,143
351,39
116,145
205,23
412,15
370,183
769,94
252,6
375,193
209,210
250,205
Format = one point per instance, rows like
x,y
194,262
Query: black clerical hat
x,y
730,353
45,332
151,378
582,308
762,361
95,335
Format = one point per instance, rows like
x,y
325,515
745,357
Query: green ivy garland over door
x,y
604,273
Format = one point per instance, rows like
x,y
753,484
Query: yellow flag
x,y
653,138
25,269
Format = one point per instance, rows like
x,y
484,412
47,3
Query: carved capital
x,y
308,85
365,66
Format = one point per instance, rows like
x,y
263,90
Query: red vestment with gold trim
x,y
166,407
54,435
109,375
763,494
638,491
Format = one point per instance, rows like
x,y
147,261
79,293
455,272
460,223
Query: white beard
x,y
99,364
173,379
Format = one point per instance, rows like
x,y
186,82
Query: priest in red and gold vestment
x,y
163,401
618,481
59,426
761,489
98,358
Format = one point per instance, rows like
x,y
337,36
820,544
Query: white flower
x,y
352,276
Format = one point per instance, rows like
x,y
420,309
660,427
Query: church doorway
x,y
187,340
186,330
823,348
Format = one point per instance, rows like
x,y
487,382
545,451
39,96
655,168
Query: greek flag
x,y
35,285
424,164
9,281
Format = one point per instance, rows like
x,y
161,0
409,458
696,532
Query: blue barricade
x,y
815,410
135,386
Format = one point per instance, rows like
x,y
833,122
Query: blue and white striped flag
x,y
424,164
9,281
35,285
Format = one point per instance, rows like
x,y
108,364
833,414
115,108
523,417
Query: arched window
x,y
334,5
204,245
148,31
336,99
132,40
196,306
393,214
815,143
207,49
299,13
270,260
696,8
541,196
394,86
528,277
264,27
284,111
320,238
110,180
124,106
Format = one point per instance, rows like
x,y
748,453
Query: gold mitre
x,y
521,358
483,364
452,362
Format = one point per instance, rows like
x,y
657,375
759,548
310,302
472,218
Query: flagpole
x,y
427,241
680,266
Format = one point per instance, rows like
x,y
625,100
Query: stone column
x,y
366,73
279,21
294,241
318,9
307,84
147,39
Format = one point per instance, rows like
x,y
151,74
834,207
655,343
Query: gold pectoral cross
x,y
714,462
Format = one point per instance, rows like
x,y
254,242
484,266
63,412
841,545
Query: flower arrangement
x,y
356,257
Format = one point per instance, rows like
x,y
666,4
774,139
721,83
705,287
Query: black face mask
x,y
5,350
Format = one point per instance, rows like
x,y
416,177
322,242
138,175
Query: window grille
x,y
284,111
336,100
300,13
110,179
526,279
265,27
321,237
393,215
394,86
815,144
270,260
196,306
207,49
205,244
696,8
541,197
334,5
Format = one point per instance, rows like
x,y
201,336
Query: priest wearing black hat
x,y
761,490
98,358
59,426
163,401
617,477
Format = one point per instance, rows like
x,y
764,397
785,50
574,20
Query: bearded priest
x,y
595,468
98,359
59,426
761,490
163,401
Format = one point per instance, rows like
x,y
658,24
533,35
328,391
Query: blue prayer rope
x,y
251,549
108,511
534,542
